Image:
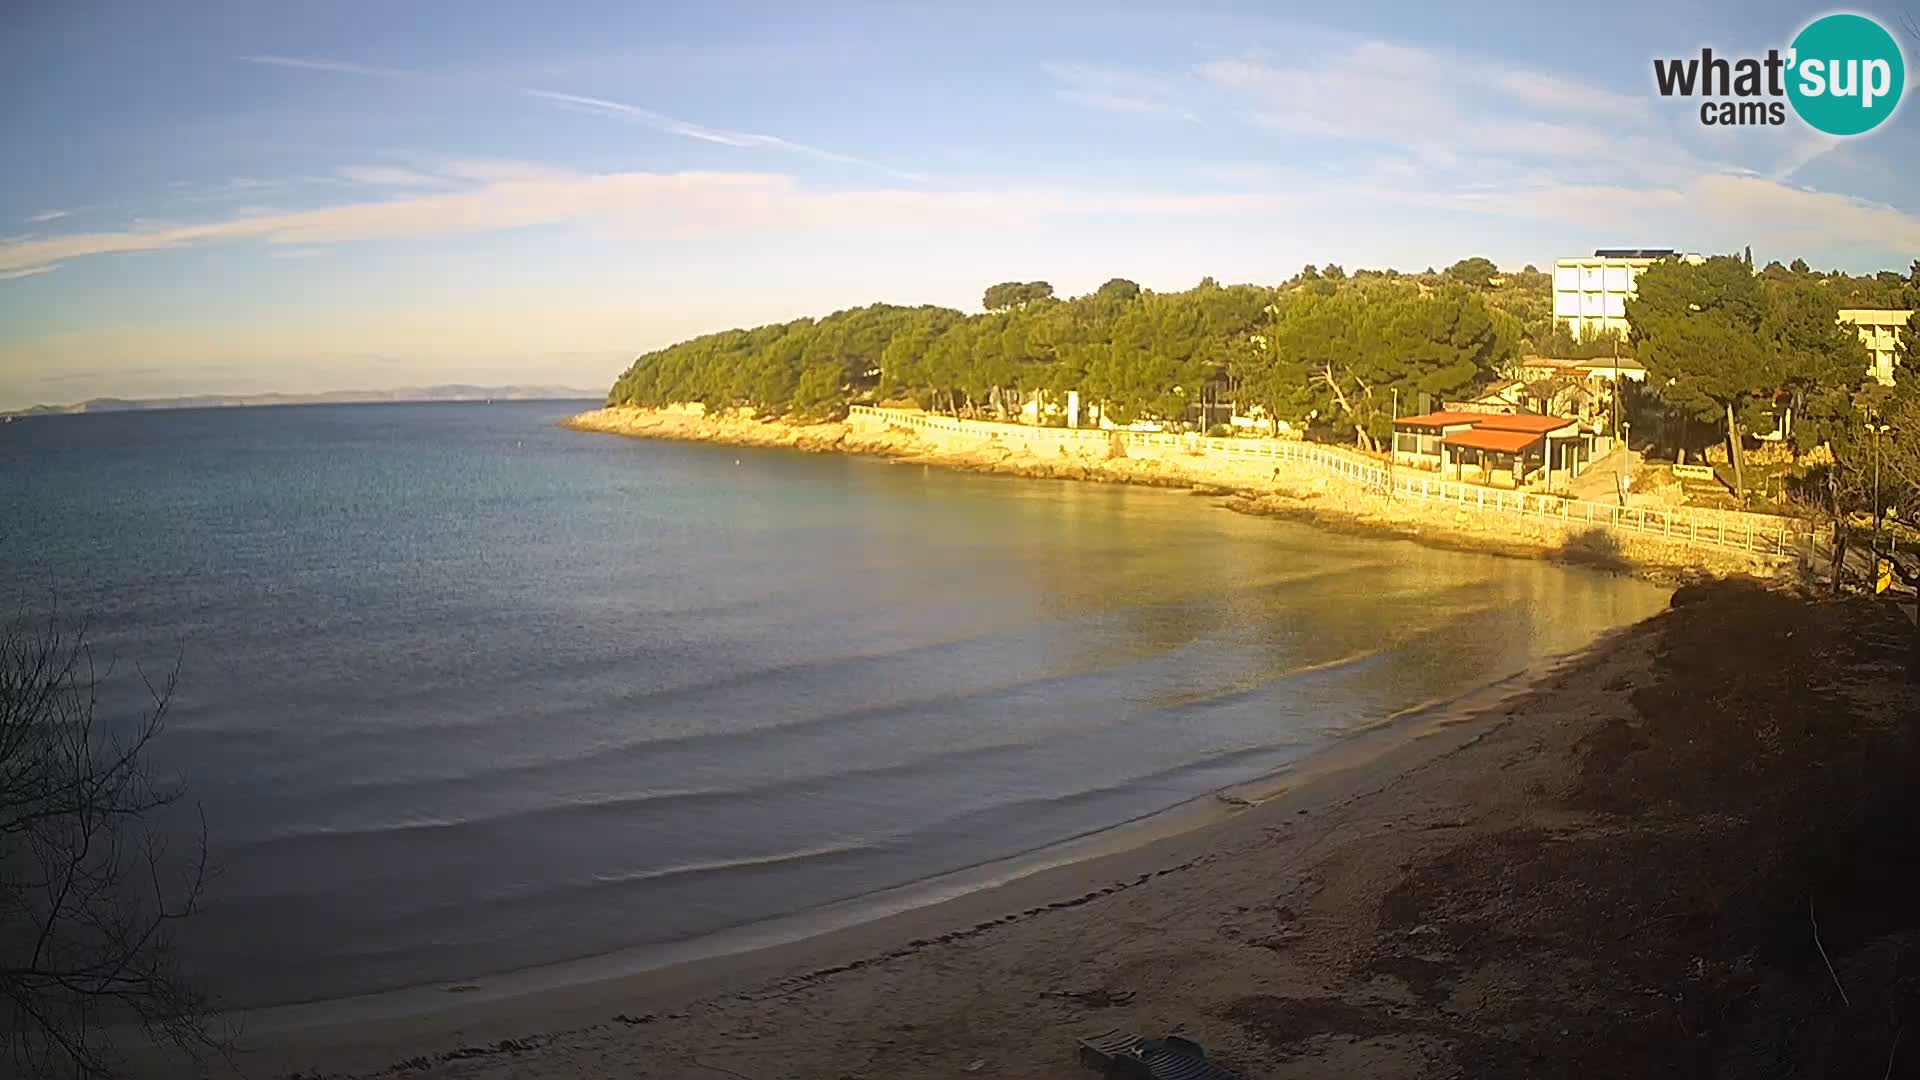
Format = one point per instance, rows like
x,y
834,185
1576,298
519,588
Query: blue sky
x,y
258,196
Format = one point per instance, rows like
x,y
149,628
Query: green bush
x,y
1220,431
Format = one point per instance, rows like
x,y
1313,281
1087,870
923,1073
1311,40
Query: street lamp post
x,y
1877,430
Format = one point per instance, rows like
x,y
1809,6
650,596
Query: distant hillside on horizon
x,y
454,392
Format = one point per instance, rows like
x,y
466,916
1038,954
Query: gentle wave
x,y
721,866
1148,793
557,813
1244,689
605,753
837,668
523,778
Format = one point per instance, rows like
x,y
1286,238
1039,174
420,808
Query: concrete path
x,y
1597,482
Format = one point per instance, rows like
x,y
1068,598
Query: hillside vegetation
x,y
1325,349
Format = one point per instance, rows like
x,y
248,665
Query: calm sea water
x,y
462,692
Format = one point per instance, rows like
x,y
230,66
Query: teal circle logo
x,y
1845,75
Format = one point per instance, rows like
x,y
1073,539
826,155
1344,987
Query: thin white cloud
x,y
1710,212
45,216
1804,153
495,170
300,253
388,176
660,204
310,63
722,136
1566,96
1335,99
604,107
1435,107
1800,217
1713,212
1107,89
1119,103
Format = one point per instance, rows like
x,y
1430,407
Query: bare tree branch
x,y
88,891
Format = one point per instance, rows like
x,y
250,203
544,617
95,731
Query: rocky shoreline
x,y
1281,490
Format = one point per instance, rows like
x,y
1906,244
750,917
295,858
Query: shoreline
x,y
1292,494
928,898
369,1034
1604,871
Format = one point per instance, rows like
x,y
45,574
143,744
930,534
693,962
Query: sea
x,y
460,692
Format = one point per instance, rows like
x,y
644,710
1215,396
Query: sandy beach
x,y
1618,871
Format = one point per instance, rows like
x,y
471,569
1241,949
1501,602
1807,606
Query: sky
x,y
239,197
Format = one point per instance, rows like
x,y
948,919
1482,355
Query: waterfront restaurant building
x,y
1487,448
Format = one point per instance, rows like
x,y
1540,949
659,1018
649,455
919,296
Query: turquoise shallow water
x,y
464,692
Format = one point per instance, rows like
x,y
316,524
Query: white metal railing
x,y
1708,528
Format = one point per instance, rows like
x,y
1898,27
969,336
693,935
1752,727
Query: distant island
x,y
331,397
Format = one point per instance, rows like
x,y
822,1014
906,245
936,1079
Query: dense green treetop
x,y
1331,345
1477,271
1698,329
1812,363
1335,347
1012,294
1726,346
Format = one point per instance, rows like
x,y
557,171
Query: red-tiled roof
x,y
1523,422
1505,442
1441,419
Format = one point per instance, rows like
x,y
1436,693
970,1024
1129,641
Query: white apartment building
x,y
1590,294
1590,297
1880,331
